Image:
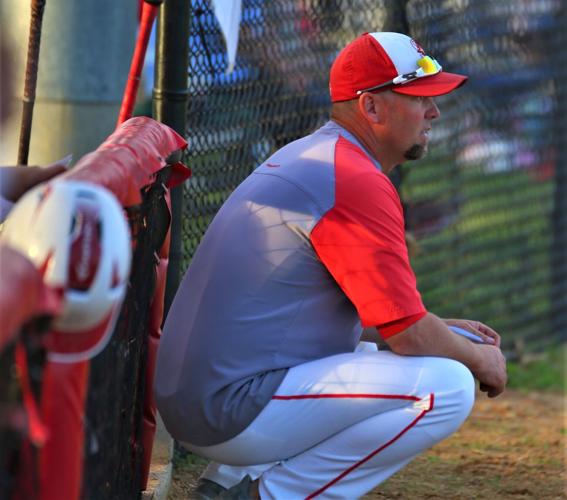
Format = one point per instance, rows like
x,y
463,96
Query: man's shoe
x,y
207,490
240,491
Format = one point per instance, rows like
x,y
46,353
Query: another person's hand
x,y
491,373
487,334
15,181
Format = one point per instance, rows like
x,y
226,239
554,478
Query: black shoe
x,y
207,490
240,491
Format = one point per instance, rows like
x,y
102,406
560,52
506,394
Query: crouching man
x,y
260,368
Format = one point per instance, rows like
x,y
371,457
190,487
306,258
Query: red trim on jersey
x,y
375,452
400,325
361,241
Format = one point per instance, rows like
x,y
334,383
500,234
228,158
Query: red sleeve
x,y
361,241
390,329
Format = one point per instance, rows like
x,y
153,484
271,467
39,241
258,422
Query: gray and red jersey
x,y
304,253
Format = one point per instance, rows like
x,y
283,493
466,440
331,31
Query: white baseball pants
x,y
339,426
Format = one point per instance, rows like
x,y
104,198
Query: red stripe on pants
x,y
378,450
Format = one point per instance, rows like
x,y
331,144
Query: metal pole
x,y
30,83
170,107
559,214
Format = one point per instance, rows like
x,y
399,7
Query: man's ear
x,y
370,108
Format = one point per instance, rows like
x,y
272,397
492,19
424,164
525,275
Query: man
x,y
259,361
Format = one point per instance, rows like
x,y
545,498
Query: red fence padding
x,y
125,163
23,294
62,403
129,158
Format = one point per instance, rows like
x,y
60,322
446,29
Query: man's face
x,y
409,121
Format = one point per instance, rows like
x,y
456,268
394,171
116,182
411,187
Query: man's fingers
x,y
15,181
63,162
46,173
487,339
485,329
485,332
491,392
36,175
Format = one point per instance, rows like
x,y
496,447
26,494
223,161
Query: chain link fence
x,y
114,447
486,208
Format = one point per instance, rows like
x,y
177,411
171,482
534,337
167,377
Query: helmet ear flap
x,y
76,234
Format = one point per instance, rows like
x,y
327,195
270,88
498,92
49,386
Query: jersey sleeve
x,y
390,329
361,242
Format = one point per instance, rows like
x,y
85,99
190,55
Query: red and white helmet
x,y
77,236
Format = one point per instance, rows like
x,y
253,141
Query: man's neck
x,y
369,140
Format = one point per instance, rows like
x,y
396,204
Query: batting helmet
x,y
77,236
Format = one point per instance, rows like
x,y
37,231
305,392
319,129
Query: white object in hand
x,y
467,334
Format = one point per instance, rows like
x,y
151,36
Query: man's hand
x,y
15,181
430,336
491,372
487,334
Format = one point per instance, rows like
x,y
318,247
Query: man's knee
x,y
465,390
453,397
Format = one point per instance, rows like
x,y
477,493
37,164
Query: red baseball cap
x,y
388,60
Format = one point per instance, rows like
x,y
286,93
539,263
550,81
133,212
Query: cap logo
x,y
418,47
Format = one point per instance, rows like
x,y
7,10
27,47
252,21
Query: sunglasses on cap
x,y
427,67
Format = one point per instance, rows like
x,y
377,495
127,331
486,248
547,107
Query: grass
x,y
545,373
184,459
493,262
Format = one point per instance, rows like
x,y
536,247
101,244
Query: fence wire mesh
x,y
487,207
113,430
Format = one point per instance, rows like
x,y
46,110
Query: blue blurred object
x,y
467,334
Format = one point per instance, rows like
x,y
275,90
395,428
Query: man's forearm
x,y
430,336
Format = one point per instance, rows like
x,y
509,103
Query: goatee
x,y
416,152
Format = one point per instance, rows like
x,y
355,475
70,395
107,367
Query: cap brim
x,y
431,86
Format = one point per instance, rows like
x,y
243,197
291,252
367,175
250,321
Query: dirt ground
x,y
512,447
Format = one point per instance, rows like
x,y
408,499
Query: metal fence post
x,y
559,213
170,107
